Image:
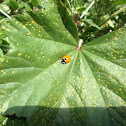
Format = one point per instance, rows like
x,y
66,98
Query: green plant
x,y
100,19
36,89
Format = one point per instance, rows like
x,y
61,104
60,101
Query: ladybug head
x,y
63,61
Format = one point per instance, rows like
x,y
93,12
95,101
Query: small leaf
x,y
38,2
2,34
81,9
2,118
2,57
119,2
110,23
5,8
89,21
26,5
13,4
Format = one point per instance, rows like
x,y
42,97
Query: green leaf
x,y
0,41
119,2
67,19
89,21
38,2
16,122
110,23
2,34
2,118
88,91
2,57
35,2
13,4
5,8
26,5
81,9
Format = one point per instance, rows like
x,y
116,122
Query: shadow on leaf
x,y
49,116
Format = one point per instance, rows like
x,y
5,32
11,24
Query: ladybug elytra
x,y
66,59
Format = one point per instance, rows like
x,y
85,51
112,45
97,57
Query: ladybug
x,y
66,59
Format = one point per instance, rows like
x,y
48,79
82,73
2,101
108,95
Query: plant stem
x,y
5,14
80,44
114,14
84,12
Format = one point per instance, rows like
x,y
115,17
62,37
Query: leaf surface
x,y
90,90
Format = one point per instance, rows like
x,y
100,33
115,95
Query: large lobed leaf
x,y
90,90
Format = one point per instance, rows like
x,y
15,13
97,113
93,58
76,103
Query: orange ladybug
x,y
66,59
